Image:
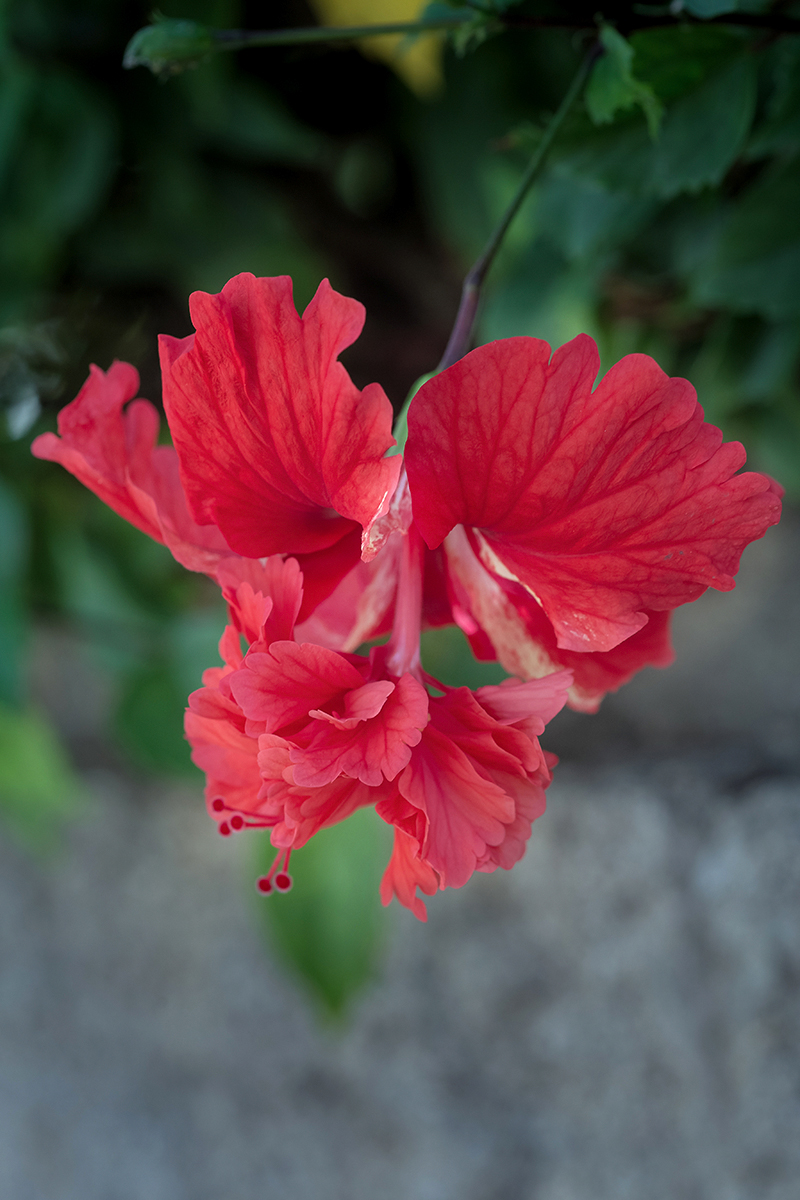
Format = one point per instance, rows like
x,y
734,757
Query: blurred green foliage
x,y
330,926
682,245
38,789
667,222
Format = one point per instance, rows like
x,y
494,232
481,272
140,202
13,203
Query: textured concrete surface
x,y
617,1018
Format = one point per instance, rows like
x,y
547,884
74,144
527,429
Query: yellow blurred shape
x,y
417,62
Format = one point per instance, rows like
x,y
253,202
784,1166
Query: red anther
x,y
217,804
237,822
264,885
283,882
224,828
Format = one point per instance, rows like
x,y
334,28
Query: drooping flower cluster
x,y
557,524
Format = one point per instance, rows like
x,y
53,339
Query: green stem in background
x,y
241,39
458,344
170,45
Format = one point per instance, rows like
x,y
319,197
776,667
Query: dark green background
x,y
120,194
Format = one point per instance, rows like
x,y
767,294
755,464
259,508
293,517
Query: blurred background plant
x,y
667,222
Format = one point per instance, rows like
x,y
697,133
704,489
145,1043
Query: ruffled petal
x,y
523,640
603,504
112,450
282,684
406,872
298,450
372,747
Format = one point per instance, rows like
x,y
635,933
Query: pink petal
x,y
530,802
196,547
360,607
536,701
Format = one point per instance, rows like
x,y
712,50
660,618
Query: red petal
x,y
229,759
300,813
524,640
375,748
284,683
277,446
114,454
532,703
278,580
605,671
360,607
360,705
98,444
466,812
530,802
405,873
602,503
196,547
323,570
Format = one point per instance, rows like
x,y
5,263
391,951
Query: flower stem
x,y
459,341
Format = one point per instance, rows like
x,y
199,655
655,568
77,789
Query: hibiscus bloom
x,y
294,737
558,524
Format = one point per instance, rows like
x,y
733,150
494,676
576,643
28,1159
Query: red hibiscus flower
x,y
294,737
557,523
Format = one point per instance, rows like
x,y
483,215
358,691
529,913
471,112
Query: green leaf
x,y
779,131
676,59
330,927
38,788
755,263
776,443
710,8
702,134
706,9
60,158
169,46
149,716
193,645
206,226
583,219
149,721
93,594
451,141
612,85
542,297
